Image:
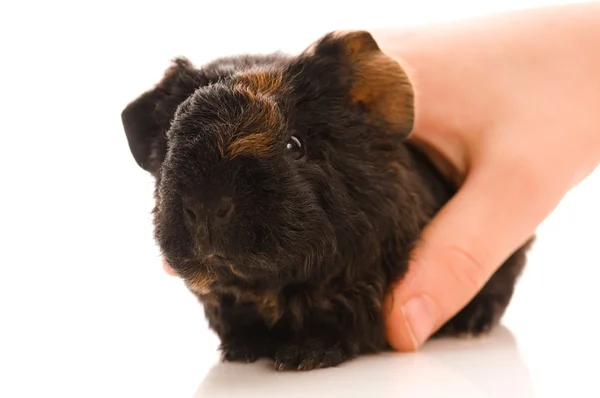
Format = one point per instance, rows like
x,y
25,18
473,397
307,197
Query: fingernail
x,y
420,315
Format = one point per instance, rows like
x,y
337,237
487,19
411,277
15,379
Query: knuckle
x,y
467,270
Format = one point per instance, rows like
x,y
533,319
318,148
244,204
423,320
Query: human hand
x,y
167,268
507,108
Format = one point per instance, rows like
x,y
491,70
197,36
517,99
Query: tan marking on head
x,y
260,87
262,123
259,144
262,119
264,82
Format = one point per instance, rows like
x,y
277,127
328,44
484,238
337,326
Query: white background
x,y
85,308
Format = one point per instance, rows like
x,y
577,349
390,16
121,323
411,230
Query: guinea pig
x,y
288,198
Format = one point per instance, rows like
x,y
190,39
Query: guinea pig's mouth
x,y
216,263
206,273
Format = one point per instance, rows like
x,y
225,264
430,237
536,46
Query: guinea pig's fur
x,y
288,200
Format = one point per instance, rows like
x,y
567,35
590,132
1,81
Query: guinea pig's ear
x,y
374,82
147,119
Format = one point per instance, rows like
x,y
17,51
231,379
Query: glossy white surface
x,y
85,308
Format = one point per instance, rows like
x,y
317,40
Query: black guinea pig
x,y
288,200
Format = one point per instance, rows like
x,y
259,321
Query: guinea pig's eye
x,y
294,147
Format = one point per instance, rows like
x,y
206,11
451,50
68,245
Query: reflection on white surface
x,y
483,367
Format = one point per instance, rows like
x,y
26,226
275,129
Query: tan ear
x,y
378,83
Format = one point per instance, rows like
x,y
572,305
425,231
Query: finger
x,y
489,218
168,268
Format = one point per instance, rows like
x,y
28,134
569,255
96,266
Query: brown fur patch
x,y
382,87
259,144
357,43
262,119
199,284
263,122
267,83
379,83
260,87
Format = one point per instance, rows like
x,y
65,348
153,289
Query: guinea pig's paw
x,y
308,355
476,319
239,351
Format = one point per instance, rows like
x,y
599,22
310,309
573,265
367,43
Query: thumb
x,y
490,217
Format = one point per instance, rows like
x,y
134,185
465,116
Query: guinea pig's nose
x,y
218,212
223,209
192,212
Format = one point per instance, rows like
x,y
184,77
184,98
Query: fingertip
x,y
398,332
167,268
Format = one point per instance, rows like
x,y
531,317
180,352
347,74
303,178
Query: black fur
x,y
292,252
